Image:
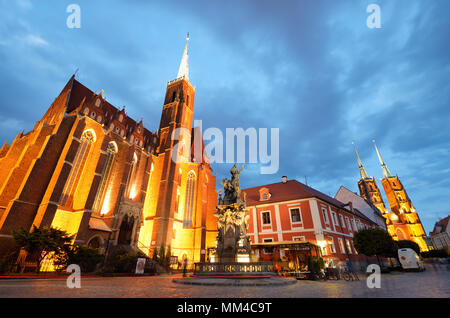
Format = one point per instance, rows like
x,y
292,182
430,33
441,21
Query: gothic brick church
x,y
89,169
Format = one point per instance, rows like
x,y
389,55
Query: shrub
x,y
87,258
124,262
7,261
442,253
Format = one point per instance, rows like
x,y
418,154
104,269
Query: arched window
x,y
86,140
111,152
400,235
131,191
189,204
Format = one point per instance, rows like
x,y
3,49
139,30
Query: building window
x,y
341,245
349,247
299,239
295,215
268,250
264,196
325,216
190,196
348,223
354,225
111,152
266,217
331,245
86,140
334,217
131,190
342,221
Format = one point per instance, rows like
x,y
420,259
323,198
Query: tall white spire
x,y
183,71
362,171
386,172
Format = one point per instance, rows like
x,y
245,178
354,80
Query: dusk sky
x,y
311,68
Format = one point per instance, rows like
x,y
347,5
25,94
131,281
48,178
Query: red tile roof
x,y
293,190
442,224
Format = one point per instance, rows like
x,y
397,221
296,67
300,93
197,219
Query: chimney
x,y
350,205
284,179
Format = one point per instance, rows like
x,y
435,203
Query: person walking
x,y
350,269
185,261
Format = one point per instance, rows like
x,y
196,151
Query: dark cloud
x,y
310,68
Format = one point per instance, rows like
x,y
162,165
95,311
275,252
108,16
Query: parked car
x,y
410,260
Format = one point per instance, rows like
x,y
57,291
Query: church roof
x,y
440,226
358,202
79,92
293,190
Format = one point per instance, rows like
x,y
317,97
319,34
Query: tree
x,y
374,242
155,254
409,244
168,255
41,242
162,255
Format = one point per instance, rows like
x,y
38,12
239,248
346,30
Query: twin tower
x,y
403,222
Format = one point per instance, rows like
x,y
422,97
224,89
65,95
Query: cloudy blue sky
x,y
311,68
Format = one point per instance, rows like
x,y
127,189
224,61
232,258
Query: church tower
x,y
403,221
180,206
368,188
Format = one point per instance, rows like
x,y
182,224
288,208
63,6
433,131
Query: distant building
x,y
362,205
440,236
403,222
289,211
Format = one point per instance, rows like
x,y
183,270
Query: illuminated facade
x,y
286,212
89,169
402,220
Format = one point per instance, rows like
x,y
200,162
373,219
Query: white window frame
x,y
296,237
267,240
341,245
300,214
349,246
349,225
355,228
332,246
341,218
325,216
262,218
334,218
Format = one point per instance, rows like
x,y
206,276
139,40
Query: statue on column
x,y
232,223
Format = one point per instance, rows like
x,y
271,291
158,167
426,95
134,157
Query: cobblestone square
x,y
432,283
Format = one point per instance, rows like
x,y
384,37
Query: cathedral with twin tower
x,y
92,171
402,220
